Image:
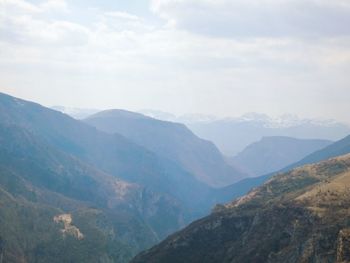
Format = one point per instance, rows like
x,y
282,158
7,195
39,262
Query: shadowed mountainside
x,y
37,182
110,197
171,140
111,153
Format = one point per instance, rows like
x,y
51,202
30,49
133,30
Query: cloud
x,y
18,6
54,5
120,39
122,15
25,23
258,18
234,55
25,7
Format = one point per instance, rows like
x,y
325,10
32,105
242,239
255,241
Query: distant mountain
x,y
185,118
338,148
232,135
112,153
194,118
271,154
240,188
106,193
76,113
299,216
159,115
171,140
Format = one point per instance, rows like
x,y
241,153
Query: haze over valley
x,y
170,131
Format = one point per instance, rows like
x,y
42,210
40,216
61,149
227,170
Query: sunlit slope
x,y
299,216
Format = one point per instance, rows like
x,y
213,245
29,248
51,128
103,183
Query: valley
x,y
120,182
174,131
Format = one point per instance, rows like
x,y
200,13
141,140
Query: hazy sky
x,y
220,57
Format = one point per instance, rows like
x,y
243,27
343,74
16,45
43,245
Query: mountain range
x,y
105,188
67,186
232,135
111,153
242,187
58,206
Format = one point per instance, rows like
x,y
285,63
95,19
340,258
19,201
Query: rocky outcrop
x,y
343,248
68,228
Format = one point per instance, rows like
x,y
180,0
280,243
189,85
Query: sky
x,y
217,57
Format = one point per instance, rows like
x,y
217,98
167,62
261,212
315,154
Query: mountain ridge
x,y
67,169
111,153
240,188
273,153
298,216
232,135
171,140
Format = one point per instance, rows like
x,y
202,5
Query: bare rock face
x,y
298,217
343,249
68,228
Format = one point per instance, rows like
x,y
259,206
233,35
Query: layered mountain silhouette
x,y
103,189
67,186
337,148
111,153
76,113
271,154
232,135
299,216
171,140
240,188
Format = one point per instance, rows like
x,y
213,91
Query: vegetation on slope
x,y
299,216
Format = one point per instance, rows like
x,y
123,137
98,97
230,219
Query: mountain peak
x,y
118,113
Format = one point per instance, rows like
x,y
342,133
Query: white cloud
x,y
258,18
193,60
54,5
120,38
17,6
122,15
25,23
25,7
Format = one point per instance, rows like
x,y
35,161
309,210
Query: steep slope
x,y
172,140
337,148
113,154
108,195
271,154
240,188
39,183
232,135
299,216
